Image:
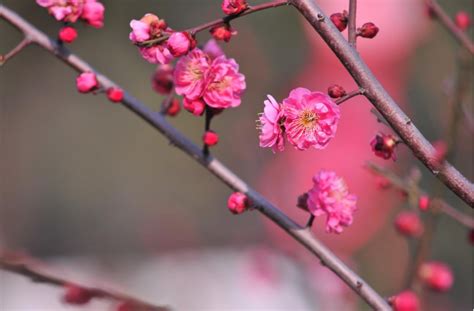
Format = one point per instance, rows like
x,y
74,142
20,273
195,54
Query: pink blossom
x,y
212,49
179,43
330,196
271,132
190,74
156,54
195,106
140,31
225,84
86,82
93,13
63,10
311,118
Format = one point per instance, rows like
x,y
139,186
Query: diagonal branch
x,y
385,104
300,234
27,269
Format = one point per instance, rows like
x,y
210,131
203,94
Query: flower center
x,y
308,118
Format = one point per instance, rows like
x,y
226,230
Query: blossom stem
x,y
209,114
384,103
213,165
309,224
349,96
28,269
449,25
17,49
352,32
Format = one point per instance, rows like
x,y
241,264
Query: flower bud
x,y
302,201
87,82
463,21
405,301
336,91
115,95
67,34
436,275
237,203
196,106
162,79
409,224
223,32
233,7
210,138
174,108
77,295
180,43
339,20
383,145
368,30
424,202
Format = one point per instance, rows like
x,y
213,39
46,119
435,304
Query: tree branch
x,y
300,234
352,32
381,100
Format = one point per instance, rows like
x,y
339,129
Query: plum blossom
x,y
231,7
330,196
212,49
225,84
190,74
311,118
270,124
179,43
91,11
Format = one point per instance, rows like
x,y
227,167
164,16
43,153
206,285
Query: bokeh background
x,y
103,198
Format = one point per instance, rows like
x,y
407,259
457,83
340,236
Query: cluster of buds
x,y
367,30
70,11
87,82
383,146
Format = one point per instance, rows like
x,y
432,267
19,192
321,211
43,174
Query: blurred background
x,y
102,198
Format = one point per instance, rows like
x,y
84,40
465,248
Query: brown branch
x,y
28,270
414,192
349,96
300,234
352,31
17,49
449,25
381,100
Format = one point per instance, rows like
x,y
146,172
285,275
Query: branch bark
x,y
382,101
156,120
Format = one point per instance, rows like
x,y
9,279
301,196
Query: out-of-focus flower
x,y
225,84
76,295
436,275
383,145
93,13
174,108
190,74
409,224
63,10
195,106
271,127
115,95
67,34
162,79
368,30
210,138
237,203
311,118
331,197
223,32
179,43
424,202
339,20
232,7
86,82
212,49
463,20
406,301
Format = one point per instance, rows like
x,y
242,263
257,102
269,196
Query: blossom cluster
x,y
307,119
70,11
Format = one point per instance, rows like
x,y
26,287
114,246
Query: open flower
x,y
271,131
191,73
93,13
63,10
330,196
225,84
310,118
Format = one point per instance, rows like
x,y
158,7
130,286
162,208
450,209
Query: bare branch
x,y
352,31
17,49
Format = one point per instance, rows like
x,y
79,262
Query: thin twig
x,y
17,49
300,234
352,31
384,103
349,96
449,25
28,269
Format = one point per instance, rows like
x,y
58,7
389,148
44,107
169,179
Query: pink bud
x,y
196,107
237,203
174,108
180,43
67,34
368,30
336,91
436,275
233,7
76,295
463,21
383,145
339,20
409,224
223,32
86,82
162,79
405,301
424,202
114,94
210,138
